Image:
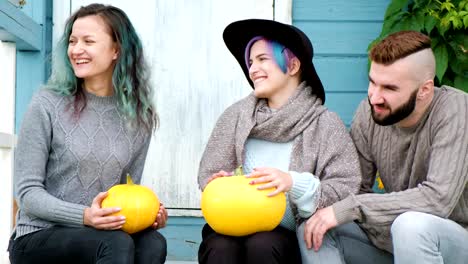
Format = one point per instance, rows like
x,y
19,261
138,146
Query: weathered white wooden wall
x,y
195,78
7,139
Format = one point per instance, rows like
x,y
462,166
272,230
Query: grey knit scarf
x,y
251,117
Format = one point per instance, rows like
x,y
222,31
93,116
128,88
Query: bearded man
x,y
415,136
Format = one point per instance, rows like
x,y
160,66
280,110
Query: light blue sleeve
x,y
305,193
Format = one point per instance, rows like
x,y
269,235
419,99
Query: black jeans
x,y
88,245
276,246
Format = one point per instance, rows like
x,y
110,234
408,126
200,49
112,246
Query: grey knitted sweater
x,y
321,144
424,168
62,162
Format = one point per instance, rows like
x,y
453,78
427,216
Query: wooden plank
x,y
33,64
283,11
342,74
337,38
183,235
7,141
345,104
339,10
34,9
196,79
16,26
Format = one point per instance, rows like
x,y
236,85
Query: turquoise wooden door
x,y
340,31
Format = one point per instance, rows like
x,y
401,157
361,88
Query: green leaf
x,y
419,20
456,22
429,23
465,21
458,54
394,7
442,27
418,3
459,43
389,24
462,4
407,23
455,19
447,6
461,83
446,81
441,55
434,42
459,67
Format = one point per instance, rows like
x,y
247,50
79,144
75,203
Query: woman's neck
x,y
280,99
99,87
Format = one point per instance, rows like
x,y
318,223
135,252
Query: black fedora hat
x,y
238,34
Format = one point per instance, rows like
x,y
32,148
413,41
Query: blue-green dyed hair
x,y
131,76
281,55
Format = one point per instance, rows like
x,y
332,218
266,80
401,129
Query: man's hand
x,y
317,225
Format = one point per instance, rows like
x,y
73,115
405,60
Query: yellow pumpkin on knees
x,y
232,206
138,203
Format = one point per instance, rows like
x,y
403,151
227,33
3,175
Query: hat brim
x,y
238,34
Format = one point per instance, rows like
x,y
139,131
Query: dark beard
x,y
398,114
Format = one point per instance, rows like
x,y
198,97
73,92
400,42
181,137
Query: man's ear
x,y
426,89
294,66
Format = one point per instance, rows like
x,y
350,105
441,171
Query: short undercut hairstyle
x,y
399,45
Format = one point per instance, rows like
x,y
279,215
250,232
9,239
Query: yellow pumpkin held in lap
x,y
138,203
232,206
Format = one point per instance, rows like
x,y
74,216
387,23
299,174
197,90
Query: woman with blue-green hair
x,y
83,132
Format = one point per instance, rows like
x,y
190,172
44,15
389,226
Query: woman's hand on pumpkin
x,y
272,178
161,219
101,218
221,173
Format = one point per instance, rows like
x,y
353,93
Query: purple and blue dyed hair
x,y
281,55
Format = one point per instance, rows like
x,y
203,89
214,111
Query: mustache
x,y
382,105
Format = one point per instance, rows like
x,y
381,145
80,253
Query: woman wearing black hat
x,y
284,138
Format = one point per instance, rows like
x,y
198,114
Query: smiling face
x,y
91,49
269,81
392,92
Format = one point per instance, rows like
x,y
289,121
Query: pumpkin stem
x,y
129,179
238,171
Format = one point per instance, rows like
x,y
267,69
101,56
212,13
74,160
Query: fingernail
x,y
251,182
122,218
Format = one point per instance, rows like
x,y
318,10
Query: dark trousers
x,y
276,246
88,245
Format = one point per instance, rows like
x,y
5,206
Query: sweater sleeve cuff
x,y
305,193
71,214
346,210
301,182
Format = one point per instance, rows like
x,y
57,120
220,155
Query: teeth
x,y
82,61
259,79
